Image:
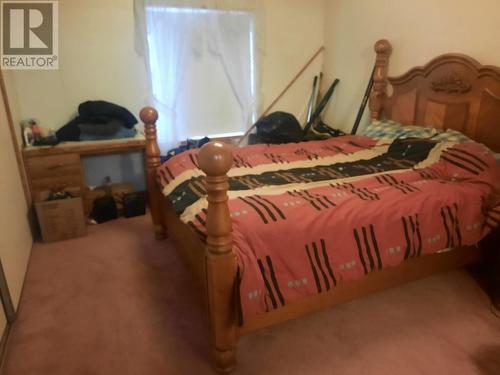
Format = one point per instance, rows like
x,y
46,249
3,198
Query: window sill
x,y
232,137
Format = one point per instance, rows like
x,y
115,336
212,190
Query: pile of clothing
x,y
99,120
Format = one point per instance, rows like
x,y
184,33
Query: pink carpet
x,y
118,302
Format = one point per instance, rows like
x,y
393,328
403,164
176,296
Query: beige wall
x,y
294,31
418,30
98,60
15,235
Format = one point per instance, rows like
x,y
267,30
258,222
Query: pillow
x,y
390,130
451,135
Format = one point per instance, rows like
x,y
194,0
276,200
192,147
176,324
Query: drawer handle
x,y
58,165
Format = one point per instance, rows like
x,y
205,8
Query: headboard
x,y
451,91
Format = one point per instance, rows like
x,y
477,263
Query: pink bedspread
x,y
310,216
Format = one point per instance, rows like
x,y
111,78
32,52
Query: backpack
x,y
278,127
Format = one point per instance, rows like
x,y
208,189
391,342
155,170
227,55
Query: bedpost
x,y
149,115
215,159
383,50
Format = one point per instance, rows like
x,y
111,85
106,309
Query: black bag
x,y
278,127
104,209
134,204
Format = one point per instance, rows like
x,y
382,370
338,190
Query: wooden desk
x,y
59,167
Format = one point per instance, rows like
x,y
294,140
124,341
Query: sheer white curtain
x,y
226,34
170,32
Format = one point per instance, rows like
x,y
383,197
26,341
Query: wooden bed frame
x,y
451,91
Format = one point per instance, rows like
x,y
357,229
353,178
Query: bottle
x,y
28,136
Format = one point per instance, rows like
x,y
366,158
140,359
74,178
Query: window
x,y
202,71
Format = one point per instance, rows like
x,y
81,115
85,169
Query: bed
x,y
274,251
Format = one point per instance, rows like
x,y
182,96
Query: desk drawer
x,y
61,182
54,166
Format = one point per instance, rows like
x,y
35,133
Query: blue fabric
x,y
451,135
122,133
189,144
390,130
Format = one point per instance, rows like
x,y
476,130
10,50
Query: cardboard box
x,y
60,219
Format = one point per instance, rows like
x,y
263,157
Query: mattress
x,y
309,216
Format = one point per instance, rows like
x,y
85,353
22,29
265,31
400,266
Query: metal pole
x,y
363,103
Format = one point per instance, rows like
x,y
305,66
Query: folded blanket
x,y
109,127
95,112
100,109
121,133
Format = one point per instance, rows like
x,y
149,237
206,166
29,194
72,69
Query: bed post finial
x,y
148,116
383,50
215,159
